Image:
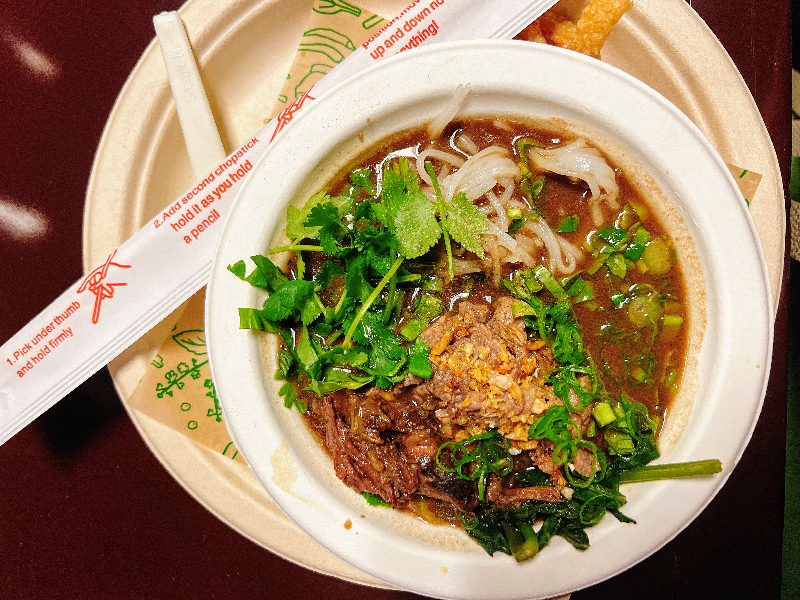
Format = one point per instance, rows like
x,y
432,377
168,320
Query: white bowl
x,y
639,128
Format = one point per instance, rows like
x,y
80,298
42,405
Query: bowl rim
x,y
326,119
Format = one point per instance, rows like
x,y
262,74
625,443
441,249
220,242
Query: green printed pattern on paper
x,y
336,29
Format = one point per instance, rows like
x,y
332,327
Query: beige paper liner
x,y
333,31
177,389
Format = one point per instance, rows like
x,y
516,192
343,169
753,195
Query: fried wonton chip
x,y
587,35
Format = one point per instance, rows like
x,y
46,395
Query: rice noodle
x,y
447,157
497,271
440,121
577,159
563,257
464,267
465,142
480,174
503,239
502,218
508,190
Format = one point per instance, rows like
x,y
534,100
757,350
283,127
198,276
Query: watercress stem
x,y
365,307
671,471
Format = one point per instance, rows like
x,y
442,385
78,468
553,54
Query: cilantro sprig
x,y
367,235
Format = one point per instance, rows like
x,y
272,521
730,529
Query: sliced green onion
x,y
634,251
413,328
521,309
657,257
644,310
613,235
547,280
617,265
603,414
516,224
514,213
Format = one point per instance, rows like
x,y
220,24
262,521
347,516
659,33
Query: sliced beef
x,y
508,328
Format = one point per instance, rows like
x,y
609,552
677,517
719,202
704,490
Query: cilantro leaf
x,y
330,230
410,178
251,318
337,379
327,272
288,300
392,188
361,178
307,355
265,276
289,394
384,349
415,224
357,285
465,223
287,365
377,247
296,218
309,312
419,363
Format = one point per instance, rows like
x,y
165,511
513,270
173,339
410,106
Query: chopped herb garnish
x,y
568,225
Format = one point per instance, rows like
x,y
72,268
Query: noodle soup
x,y
685,185
484,324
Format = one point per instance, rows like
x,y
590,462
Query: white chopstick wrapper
x,y
169,259
197,121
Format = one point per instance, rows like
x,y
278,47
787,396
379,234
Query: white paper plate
x,y
507,78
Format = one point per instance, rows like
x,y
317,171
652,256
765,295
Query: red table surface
x,y
88,512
